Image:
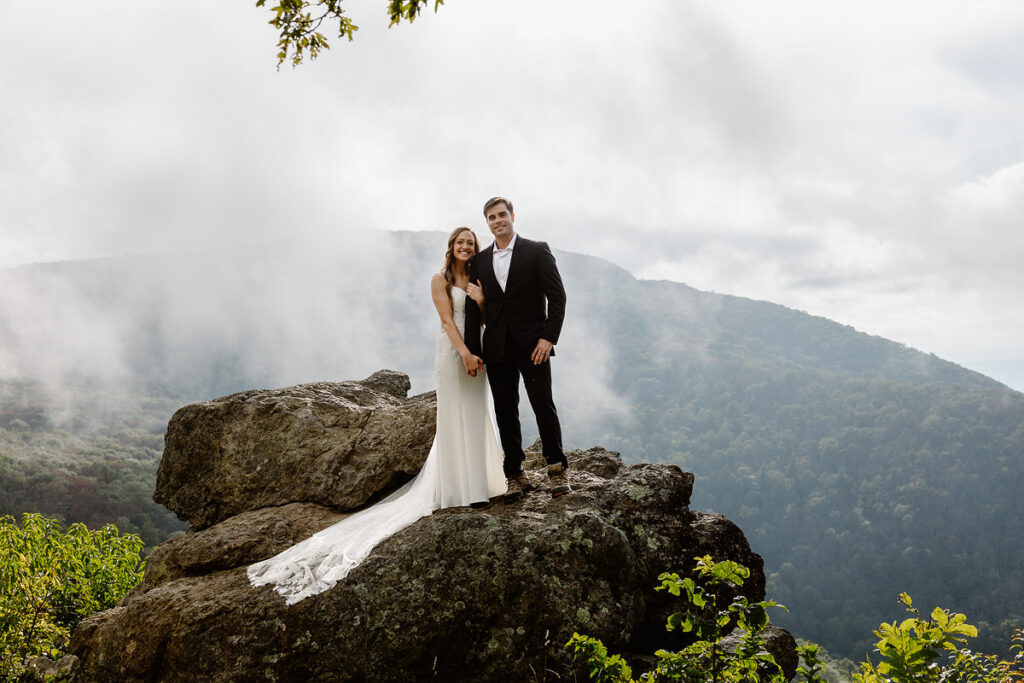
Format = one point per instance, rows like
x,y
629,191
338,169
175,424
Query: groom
x,y
524,304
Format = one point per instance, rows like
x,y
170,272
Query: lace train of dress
x,y
463,467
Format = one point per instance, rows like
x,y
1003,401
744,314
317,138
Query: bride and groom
x,y
512,291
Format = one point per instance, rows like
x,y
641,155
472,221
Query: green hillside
x,y
83,455
853,489
857,467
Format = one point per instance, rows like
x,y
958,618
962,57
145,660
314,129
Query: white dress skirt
x,y
463,467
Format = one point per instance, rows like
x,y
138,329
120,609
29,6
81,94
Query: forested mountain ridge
x,y
858,467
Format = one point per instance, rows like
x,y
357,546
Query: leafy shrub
x,y
51,579
709,619
919,651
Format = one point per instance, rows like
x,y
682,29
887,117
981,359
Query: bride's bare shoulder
x,y
437,280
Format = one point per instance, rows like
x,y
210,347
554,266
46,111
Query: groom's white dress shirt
x,y
501,259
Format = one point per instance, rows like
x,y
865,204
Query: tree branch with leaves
x,y
298,23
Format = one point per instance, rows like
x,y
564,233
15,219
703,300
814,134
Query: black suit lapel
x,y
518,254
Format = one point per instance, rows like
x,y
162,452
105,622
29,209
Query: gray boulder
x,y
240,540
336,444
45,669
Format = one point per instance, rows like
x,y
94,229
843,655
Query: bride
x,y
463,467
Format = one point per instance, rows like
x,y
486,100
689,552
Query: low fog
x,y
194,325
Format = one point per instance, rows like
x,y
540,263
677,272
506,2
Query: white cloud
x,y
861,162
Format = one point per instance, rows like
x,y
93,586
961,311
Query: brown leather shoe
x,y
516,488
558,477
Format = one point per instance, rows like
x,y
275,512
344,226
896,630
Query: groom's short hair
x,y
498,200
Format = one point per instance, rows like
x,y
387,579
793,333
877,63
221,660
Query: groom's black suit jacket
x,y
531,307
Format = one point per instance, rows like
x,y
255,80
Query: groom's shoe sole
x,y
560,491
512,497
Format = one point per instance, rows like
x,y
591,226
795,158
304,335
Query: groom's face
x,y
500,220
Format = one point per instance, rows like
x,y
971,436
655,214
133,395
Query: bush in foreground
x,y
913,651
50,579
935,650
709,618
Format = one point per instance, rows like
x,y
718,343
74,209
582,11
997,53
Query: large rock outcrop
x,y
465,594
332,443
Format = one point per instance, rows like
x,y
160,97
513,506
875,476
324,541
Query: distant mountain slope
x,y
83,455
858,467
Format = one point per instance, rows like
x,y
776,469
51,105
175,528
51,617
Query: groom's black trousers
x,y
504,377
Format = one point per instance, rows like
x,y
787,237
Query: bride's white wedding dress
x,y
464,467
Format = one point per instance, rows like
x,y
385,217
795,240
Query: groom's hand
x,y
473,364
542,352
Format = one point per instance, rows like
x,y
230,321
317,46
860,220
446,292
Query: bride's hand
x,y
475,293
473,364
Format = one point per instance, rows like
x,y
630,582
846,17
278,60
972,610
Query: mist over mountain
x,y
858,467
202,324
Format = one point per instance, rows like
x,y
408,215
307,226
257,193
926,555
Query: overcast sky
x,y
860,161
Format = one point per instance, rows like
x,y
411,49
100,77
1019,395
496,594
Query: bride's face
x,y
464,246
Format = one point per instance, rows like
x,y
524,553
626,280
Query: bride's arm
x,y
444,309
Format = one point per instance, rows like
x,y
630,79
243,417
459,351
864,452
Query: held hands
x,y
542,352
475,293
473,364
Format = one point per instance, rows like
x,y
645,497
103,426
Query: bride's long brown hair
x,y
449,258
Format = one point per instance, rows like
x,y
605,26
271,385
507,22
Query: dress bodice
x,y
459,297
